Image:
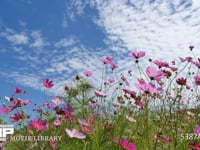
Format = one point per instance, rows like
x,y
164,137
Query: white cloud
x,y
38,40
64,21
161,28
15,38
65,42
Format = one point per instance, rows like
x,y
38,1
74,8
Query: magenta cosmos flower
x,y
181,81
107,60
87,73
191,47
197,80
74,133
17,117
48,83
52,143
113,66
131,93
136,54
99,94
194,145
17,90
38,124
125,144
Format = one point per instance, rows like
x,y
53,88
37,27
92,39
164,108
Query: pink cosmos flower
x,y
113,66
87,73
197,80
17,90
136,54
153,74
173,68
181,81
148,87
87,125
188,59
107,60
57,101
4,110
57,122
15,105
24,102
99,94
52,143
110,80
161,63
197,130
38,124
48,83
74,133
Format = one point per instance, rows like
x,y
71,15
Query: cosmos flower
x,y
16,90
110,80
113,66
38,124
74,133
194,145
125,144
161,63
87,73
181,81
197,80
57,101
136,54
48,83
148,88
188,59
17,117
99,94
197,130
153,74
131,93
4,110
191,47
107,60
57,122
52,143
24,102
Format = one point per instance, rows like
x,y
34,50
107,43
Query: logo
x,y
5,130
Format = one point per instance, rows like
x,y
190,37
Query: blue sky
x,y
59,39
